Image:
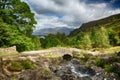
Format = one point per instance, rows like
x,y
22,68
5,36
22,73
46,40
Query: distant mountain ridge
x,y
46,31
111,21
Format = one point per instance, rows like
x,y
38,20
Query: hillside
x,y
46,31
108,22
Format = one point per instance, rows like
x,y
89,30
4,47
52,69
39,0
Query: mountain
x,y
46,31
108,22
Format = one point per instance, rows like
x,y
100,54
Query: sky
x,y
70,13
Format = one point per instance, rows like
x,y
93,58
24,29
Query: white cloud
x,y
74,12
49,21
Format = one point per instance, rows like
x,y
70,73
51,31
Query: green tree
x,y
22,43
62,38
50,41
36,41
100,38
17,13
85,42
72,41
113,37
16,25
5,33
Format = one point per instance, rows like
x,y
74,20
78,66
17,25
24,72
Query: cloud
x,y
49,21
69,13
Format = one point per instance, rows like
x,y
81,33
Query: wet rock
x,y
75,61
21,78
63,70
112,76
85,70
98,76
116,65
91,72
54,68
68,77
86,78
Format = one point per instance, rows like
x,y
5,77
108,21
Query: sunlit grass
x,y
7,53
112,49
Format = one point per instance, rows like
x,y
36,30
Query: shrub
x,y
44,73
18,66
22,43
86,56
85,42
109,68
113,58
100,62
28,65
15,66
100,38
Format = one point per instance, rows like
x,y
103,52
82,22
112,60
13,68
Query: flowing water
x,y
78,73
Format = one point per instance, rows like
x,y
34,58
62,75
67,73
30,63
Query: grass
x,y
21,65
112,49
108,68
49,55
7,53
28,65
44,73
15,66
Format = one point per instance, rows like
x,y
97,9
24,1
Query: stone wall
x,y
1,68
9,49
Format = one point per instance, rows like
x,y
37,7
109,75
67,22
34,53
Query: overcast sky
x,y
71,13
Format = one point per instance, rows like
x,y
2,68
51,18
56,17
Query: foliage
x,y
16,25
28,65
113,58
85,42
100,38
15,66
44,73
72,42
5,33
21,65
36,42
112,37
11,36
61,37
17,13
51,40
100,62
112,50
22,43
109,68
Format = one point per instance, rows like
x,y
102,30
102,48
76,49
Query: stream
x,y
78,73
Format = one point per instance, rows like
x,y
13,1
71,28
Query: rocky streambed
x,y
78,66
